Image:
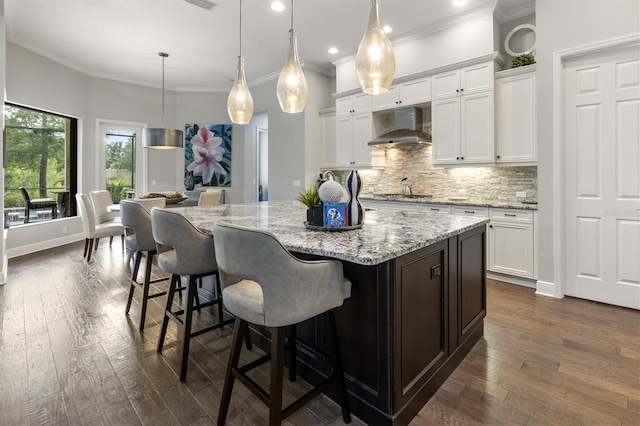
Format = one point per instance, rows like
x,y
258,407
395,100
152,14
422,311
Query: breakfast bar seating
x,y
267,286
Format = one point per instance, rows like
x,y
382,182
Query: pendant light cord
x,y
291,14
162,90
240,28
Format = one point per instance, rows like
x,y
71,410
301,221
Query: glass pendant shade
x,y
240,102
292,88
375,61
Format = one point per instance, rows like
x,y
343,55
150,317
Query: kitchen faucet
x,y
406,184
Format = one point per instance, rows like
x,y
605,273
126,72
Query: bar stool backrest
x,y
86,214
136,216
101,200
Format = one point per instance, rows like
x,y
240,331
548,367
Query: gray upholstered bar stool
x,y
265,285
136,219
183,250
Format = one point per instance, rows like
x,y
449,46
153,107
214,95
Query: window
x,y
120,154
41,156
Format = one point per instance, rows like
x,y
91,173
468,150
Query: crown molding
x,y
520,12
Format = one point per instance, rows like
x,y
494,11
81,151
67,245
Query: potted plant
x,y
523,59
311,200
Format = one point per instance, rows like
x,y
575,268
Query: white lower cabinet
x,y
440,208
511,242
394,205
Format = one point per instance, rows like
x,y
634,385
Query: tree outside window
x,y
38,147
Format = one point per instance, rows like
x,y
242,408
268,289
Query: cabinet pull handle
x,y
490,226
510,215
457,158
470,211
497,156
462,90
462,158
457,90
434,209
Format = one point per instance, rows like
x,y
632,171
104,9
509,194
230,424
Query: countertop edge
x,y
497,204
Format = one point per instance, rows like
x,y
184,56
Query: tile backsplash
x,y
415,163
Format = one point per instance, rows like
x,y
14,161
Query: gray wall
x,y
561,25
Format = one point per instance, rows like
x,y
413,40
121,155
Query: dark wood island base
x,y
409,322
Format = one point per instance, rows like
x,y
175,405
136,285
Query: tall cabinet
x,y
463,115
516,128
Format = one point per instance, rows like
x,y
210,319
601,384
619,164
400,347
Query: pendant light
x,y
292,88
375,61
240,102
162,138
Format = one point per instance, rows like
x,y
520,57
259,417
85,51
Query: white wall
x,y
454,44
561,25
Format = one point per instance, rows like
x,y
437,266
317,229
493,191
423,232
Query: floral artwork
x,y
207,154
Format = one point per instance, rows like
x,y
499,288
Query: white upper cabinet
x,y
403,94
516,133
353,104
463,81
462,116
353,132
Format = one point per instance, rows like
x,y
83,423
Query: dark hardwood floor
x,y
69,355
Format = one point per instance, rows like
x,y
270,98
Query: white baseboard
x,y
44,245
511,279
545,288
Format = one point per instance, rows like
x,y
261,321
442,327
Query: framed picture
x,y
207,155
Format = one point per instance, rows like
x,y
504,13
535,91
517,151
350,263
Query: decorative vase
x,y
188,181
314,216
353,184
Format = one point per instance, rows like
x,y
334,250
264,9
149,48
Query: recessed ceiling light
x,y
278,6
460,2
333,50
387,29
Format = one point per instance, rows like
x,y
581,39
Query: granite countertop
x,y
476,202
384,236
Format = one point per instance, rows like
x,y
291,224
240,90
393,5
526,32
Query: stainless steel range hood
x,y
407,129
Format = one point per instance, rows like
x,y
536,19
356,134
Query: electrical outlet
x,y
521,194
296,184
64,229
153,182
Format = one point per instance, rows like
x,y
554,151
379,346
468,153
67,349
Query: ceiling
x,y
120,39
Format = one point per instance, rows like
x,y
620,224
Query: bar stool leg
x,y
192,288
337,362
239,329
292,353
86,246
145,288
275,389
175,279
134,276
219,295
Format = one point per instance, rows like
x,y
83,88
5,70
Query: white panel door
x,y
362,134
602,133
344,141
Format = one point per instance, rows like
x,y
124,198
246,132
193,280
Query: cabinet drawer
x,y
442,208
511,215
471,211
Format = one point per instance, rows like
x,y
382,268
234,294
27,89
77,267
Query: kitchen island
x,y
417,302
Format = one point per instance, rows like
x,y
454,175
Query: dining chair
x,y
100,200
264,284
37,203
136,219
92,230
210,198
